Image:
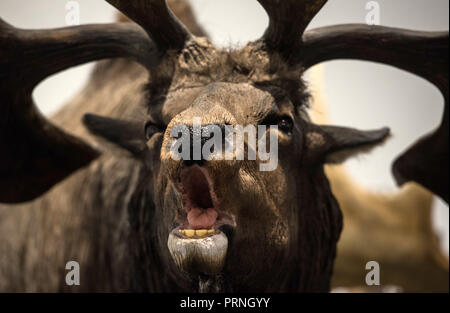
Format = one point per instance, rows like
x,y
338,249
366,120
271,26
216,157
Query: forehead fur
x,y
200,64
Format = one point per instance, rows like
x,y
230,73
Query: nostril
x,y
194,162
204,135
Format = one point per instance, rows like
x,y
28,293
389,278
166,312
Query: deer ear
x,y
127,135
333,144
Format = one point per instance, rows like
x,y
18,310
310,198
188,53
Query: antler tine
x,y
41,53
288,20
419,52
158,21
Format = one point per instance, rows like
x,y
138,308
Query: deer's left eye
x,y
285,124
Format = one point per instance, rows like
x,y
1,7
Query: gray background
x,y
359,94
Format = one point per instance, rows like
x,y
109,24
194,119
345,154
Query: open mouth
x,y
198,244
202,214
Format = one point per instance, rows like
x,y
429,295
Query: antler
x,y
157,20
44,52
38,153
288,20
35,153
422,53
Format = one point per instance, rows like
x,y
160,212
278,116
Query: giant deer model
x,y
151,222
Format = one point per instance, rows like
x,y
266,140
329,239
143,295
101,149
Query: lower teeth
x,y
200,233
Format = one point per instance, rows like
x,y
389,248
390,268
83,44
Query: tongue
x,y
201,218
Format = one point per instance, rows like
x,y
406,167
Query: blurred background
x,y
358,94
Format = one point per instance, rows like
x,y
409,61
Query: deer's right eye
x,y
150,130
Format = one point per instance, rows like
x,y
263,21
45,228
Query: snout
x,y
198,243
201,171
204,145
206,142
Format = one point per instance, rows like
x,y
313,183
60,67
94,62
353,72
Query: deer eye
x,y
285,124
150,130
